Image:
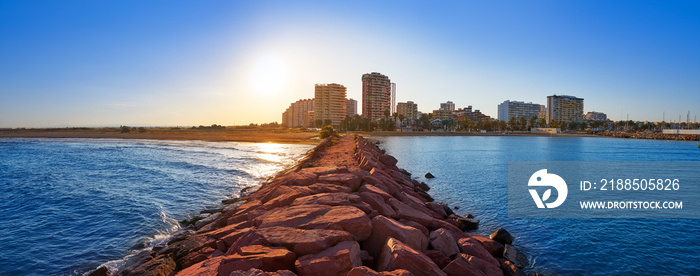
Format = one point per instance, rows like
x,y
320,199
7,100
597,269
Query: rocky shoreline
x,y
345,209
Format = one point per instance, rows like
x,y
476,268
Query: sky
x,y
189,63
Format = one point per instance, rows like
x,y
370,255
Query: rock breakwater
x,y
346,209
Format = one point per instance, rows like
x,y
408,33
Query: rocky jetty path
x,y
346,209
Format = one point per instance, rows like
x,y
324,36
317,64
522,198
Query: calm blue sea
x,y
70,205
472,173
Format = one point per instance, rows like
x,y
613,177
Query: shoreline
x,y
345,208
174,135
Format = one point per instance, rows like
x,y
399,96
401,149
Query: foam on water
x,y
70,205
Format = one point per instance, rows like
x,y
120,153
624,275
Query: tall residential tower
x,y
563,108
330,103
376,95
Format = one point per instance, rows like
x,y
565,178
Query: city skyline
x,y
182,63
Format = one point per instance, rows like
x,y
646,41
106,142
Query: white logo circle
x,y
542,178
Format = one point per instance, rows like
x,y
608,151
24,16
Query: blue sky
x,y
103,63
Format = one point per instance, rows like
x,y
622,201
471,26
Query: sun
x,y
269,75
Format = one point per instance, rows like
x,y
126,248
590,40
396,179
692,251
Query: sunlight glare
x,y
269,75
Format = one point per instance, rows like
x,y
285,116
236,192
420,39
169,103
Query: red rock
x,y
192,244
258,256
258,272
456,232
223,231
345,179
438,258
303,242
443,241
388,160
485,267
159,266
208,267
366,271
397,255
247,238
415,225
284,195
384,228
347,218
300,178
437,208
195,257
321,170
334,199
373,189
377,203
317,188
462,267
474,248
409,213
417,204
337,260
367,260
495,248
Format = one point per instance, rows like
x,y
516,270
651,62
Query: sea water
x,y
70,205
472,174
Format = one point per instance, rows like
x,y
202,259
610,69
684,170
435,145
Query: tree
x,y
125,129
542,123
327,122
326,132
318,123
533,121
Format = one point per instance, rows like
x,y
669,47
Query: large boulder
x,y
502,236
444,242
209,267
397,255
377,203
159,266
469,265
384,228
471,246
373,189
409,213
346,218
345,179
321,170
438,258
493,247
284,195
334,199
318,188
247,238
258,256
515,256
303,242
258,272
366,271
388,160
337,260
509,269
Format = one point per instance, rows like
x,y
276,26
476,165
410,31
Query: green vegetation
x,y
326,132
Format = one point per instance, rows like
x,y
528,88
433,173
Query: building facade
x,y
515,109
351,108
595,116
409,110
447,106
299,114
330,103
376,95
563,108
